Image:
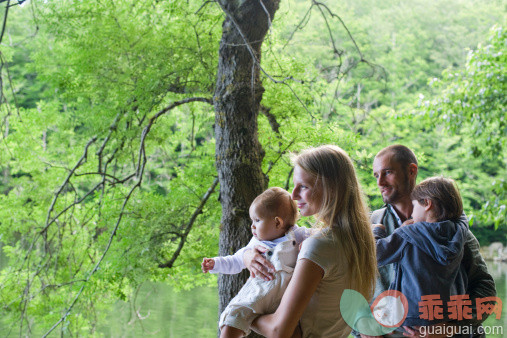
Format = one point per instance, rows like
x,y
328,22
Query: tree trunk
x,y
238,152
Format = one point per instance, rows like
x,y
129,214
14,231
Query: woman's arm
x,y
304,282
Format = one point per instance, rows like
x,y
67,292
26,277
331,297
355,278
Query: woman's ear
x,y
278,222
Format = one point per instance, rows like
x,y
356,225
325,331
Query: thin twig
x,y
5,20
189,225
300,25
81,161
257,63
154,118
280,154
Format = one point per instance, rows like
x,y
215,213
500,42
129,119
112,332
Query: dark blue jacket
x,y
427,261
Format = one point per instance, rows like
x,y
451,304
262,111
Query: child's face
x,y
265,228
419,214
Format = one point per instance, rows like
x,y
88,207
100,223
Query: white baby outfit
x,y
258,296
234,263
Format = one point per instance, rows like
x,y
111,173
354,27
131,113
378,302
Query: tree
x,y
237,98
472,104
127,114
141,129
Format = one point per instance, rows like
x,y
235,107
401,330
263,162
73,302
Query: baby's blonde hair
x,y
343,208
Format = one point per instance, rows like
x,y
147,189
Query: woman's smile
x,y
307,195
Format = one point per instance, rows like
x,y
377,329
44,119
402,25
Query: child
x,y
427,254
273,215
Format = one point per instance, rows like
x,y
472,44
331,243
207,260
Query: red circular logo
x,y
390,308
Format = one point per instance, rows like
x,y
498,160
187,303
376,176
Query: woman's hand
x,y
257,264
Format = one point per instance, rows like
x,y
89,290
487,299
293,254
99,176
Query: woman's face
x,y
307,192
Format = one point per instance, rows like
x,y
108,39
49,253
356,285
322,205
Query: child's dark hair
x,y
277,202
444,195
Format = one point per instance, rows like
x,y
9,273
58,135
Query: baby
x,y
273,215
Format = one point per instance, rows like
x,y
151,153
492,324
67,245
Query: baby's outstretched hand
x,y
381,226
207,264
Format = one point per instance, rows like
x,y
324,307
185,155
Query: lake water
x,y
194,313
161,312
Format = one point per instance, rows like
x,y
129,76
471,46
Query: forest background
x,y
112,174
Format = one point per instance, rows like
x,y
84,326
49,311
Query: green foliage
x,y
472,100
472,104
106,75
102,76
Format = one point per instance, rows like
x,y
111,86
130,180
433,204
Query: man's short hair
x,y
401,154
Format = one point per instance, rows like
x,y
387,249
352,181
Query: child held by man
x,y
274,215
426,254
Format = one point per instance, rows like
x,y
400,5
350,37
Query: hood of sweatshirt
x,y
443,241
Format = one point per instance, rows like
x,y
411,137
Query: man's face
x,y
393,180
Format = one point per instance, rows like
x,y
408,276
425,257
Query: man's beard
x,y
398,194
393,198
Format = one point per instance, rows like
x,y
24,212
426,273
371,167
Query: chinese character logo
x,y
390,309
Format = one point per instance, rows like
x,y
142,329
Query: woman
x,y
340,256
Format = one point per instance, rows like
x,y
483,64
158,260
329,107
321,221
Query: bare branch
x,y
203,5
189,225
267,14
153,119
139,171
81,161
300,25
257,63
289,175
280,154
113,233
275,126
5,20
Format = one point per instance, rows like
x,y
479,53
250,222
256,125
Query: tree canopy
x,y
109,116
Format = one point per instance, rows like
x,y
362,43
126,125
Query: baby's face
x,y
265,228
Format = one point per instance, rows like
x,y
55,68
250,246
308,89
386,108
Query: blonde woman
x,y
341,255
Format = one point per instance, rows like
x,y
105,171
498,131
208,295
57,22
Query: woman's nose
x,y
294,196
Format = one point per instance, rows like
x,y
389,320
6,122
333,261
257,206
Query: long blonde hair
x,y
343,208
